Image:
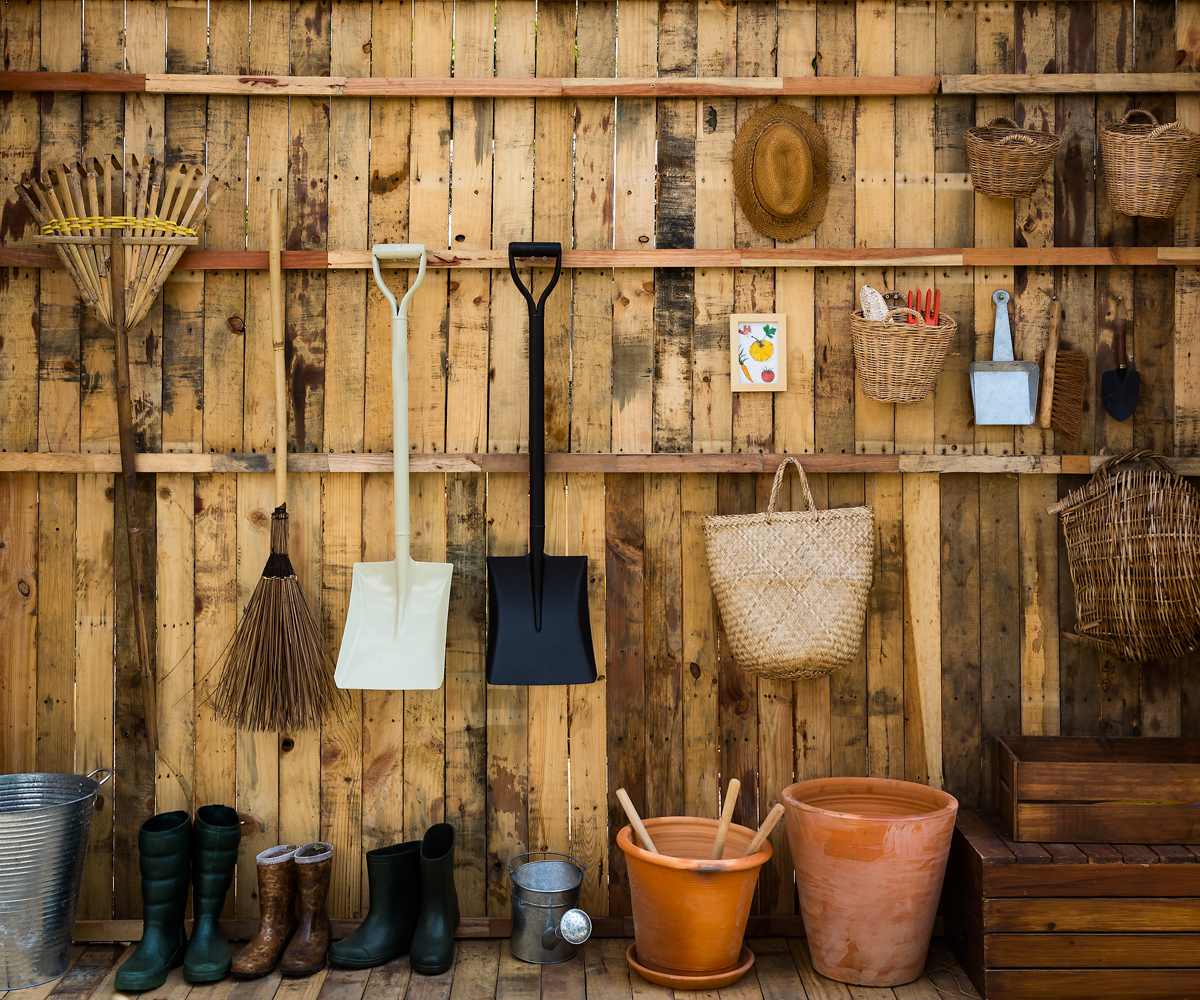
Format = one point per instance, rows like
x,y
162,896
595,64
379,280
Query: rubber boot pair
x,y
414,907
291,880
171,848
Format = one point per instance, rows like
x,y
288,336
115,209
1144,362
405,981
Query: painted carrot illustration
x,y
742,362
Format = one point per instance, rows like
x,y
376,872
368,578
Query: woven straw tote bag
x,y
792,585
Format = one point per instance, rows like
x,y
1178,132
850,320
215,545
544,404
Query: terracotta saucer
x,y
692,980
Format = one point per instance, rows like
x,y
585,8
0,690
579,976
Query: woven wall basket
x,y
1008,162
1148,167
1133,542
899,362
792,585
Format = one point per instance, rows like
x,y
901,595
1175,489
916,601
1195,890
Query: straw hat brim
x,y
743,174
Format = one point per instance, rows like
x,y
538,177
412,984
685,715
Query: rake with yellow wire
x,y
120,263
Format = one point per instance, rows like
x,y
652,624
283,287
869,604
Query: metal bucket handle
x,y
108,773
579,924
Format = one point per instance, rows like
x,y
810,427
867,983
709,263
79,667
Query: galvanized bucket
x,y
45,823
546,927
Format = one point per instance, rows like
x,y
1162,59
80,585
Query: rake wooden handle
x,y
636,820
764,831
277,343
731,796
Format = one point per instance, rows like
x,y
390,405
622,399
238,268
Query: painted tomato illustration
x,y
768,375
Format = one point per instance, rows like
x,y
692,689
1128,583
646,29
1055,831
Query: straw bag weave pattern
x,y
1133,543
792,585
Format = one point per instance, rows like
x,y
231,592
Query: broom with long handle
x,y
278,672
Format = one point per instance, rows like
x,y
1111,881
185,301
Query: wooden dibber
x,y
764,831
731,797
636,820
1065,375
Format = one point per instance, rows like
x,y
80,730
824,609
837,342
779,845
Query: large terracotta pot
x,y
689,912
870,856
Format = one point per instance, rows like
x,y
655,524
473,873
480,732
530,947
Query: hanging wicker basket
x,y
1008,162
899,362
1148,167
1133,543
792,585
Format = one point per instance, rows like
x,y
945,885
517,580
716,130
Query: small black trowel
x,y
1119,388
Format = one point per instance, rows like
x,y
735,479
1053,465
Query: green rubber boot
x,y
394,878
215,839
164,848
432,951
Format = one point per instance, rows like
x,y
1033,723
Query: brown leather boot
x,y
277,913
306,952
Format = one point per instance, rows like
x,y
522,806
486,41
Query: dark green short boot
x,y
215,838
164,846
394,878
432,951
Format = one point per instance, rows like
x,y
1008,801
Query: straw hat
x,y
781,172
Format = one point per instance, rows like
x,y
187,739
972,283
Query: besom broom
x,y
278,672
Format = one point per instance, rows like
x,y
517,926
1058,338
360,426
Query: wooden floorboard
x,y
486,970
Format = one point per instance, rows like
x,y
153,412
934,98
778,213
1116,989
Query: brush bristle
x,y
1070,389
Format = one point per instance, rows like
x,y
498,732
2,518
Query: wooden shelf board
x,y
832,86
175,462
254,260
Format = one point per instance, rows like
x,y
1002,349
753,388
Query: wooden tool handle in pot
x,y
731,796
764,831
636,820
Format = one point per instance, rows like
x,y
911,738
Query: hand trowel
x,y
1119,388
1004,391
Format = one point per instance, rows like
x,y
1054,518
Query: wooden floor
x,y
486,970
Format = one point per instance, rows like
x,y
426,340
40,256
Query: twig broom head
x,y
277,671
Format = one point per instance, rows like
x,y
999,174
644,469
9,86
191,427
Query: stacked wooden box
x,y
1073,918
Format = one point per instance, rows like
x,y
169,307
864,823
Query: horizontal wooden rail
x,y
712,86
184,462
1070,83
342,260
244,928
342,86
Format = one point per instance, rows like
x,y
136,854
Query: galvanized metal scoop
x,y
1004,391
395,637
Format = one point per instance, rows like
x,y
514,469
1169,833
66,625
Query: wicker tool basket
x,y
792,585
898,362
1008,162
1133,542
1148,167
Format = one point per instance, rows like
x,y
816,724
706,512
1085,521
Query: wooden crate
x,y
1061,921
1118,791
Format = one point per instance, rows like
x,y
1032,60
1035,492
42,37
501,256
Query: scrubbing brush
x,y
1066,375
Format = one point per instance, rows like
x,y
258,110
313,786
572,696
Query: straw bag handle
x,y
991,122
779,482
1136,111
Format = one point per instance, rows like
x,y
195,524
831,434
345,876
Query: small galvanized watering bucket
x,y
546,926
45,823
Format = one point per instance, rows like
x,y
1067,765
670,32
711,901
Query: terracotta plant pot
x,y
870,856
689,912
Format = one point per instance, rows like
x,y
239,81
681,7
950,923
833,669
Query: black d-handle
x,y
537,407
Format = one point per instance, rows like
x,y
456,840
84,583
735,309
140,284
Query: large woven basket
x,y
792,585
1148,167
1133,542
896,362
1008,162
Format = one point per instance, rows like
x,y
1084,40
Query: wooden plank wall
x,y
972,588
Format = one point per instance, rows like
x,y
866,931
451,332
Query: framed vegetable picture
x,y
758,352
